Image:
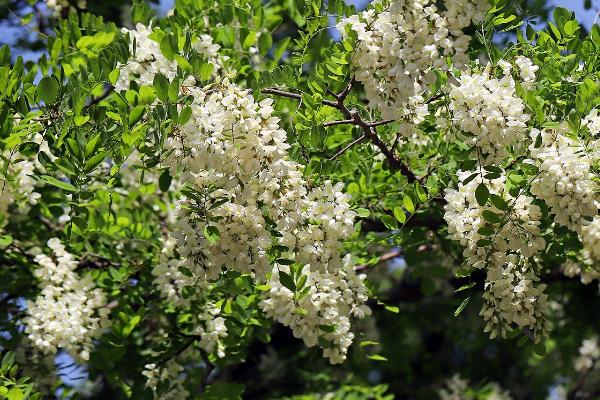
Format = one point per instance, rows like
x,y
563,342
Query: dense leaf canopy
x,y
295,199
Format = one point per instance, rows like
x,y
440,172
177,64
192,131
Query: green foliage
x,y
93,134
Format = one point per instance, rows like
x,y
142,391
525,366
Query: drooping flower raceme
x,y
511,294
70,311
320,312
243,196
489,111
589,354
566,182
234,159
17,185
171,373
148,61
399,48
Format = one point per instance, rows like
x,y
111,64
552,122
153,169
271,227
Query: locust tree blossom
x,y
242,196
512,295
70,312
399,48
566,181
589,354
17,184
488,112
170,372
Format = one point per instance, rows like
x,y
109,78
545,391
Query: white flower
x,y
589,354
399,48
566,182
511,295
70,311
232,158
488,109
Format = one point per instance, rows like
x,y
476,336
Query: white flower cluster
x,y
243,196
17,185
584,269
520,234
511,296
526,69
321,313
566,182
589,355
592,122
148,60
170,372
399,48
70,311
183,289
457,388
57,6
489,112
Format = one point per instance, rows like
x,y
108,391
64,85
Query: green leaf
x,y
5,240
462,306
377,357
399,214
206,71
113,77
363,212
161,87
421,195
482,194
366,343
168,47
211,233
280,48
58,183
392,309
47,89
499,202
92,145
265,42
164,181
286,280
470,178
15,394
249,40
327,328
185,115
408,204
485,230
81,119
540,349
93,162
465,287
491,217
29,149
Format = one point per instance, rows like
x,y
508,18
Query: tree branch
x,y
353,117
350,145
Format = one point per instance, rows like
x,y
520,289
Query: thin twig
x,y
378,123
353,115
386,257
350,145
342,122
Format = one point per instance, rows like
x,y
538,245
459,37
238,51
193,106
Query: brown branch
x,y
434,98
350,145
295,96
342,122
353,115
378,123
